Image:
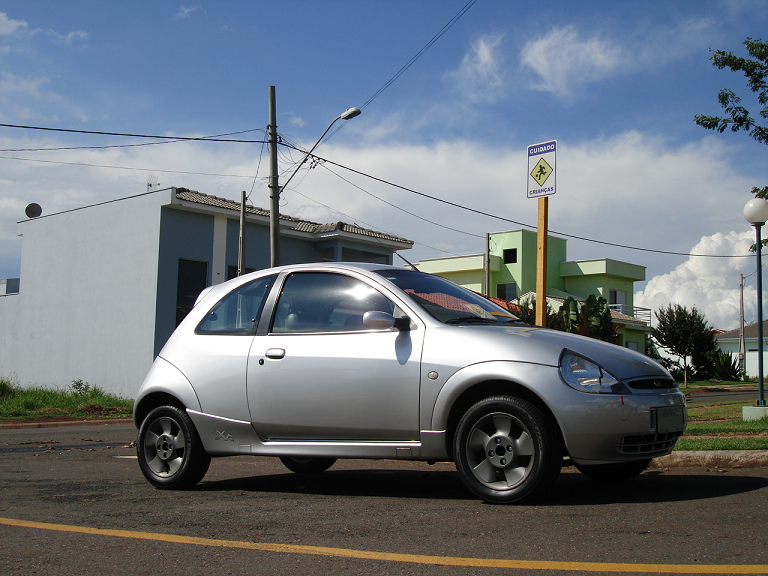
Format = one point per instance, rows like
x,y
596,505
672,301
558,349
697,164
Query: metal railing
x,y
636,312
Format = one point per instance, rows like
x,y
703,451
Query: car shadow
x,y
651,486
434,485
571,489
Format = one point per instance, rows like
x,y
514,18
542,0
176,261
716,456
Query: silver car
x,y
316,362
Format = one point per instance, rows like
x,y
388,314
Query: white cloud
x,y
565,59
67,38
631,189
296,120
9,27
480,77
187,11
658,45
639,190
14,84
562,59
709,284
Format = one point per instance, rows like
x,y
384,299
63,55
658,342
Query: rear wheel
x,y
617,472
170,452
307,465
506,450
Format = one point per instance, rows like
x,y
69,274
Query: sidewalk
x,y
59,424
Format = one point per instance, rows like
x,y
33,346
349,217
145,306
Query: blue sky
x,y
616,83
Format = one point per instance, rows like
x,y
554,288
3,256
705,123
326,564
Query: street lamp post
x,y
274,224
756,213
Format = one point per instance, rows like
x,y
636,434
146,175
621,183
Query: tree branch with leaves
x,y
686,335
737,117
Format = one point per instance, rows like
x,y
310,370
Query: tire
x,y
171,454
618,472
506,450
307,465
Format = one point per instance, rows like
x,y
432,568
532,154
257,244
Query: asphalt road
x,y
724,396
74,502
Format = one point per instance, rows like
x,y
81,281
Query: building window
x,y
506,291
617,296
510,256
618,300
192,279
632,346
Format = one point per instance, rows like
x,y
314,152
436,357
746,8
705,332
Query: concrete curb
x,y
713,459
20,425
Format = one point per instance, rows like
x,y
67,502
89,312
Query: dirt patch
x,y
97,410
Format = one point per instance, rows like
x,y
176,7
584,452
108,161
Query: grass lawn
x,y
719,426
79,402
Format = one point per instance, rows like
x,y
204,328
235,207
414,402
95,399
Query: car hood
x,y
544,346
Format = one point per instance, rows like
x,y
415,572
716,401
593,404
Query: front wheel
x,y
170,452
307,465
617,472
506,450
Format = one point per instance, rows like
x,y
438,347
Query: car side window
x,y
238,312
326,302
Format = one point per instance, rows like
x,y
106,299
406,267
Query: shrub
x,y
7,389
725,367
79,387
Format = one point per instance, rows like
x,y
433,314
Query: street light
x,y
274,232
350,113
756,213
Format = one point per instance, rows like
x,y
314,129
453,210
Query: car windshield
x,y
447,301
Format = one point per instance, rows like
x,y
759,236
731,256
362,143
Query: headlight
x,y
586,376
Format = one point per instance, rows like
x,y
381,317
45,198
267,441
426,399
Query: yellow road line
x,y
410,558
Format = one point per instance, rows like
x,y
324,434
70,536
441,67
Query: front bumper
x,y
625,427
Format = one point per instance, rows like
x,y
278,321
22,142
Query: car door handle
x,y
275,353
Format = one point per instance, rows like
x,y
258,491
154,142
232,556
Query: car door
x,y
214,359
318,374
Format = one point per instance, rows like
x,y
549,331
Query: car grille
x,y
652,384
648,443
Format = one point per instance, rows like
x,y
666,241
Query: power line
x,y
356,220
121,145
152,136
489,215
399,208
413,59
418,55
89,165
321,159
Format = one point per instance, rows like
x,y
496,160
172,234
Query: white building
x,y
103,287
729,342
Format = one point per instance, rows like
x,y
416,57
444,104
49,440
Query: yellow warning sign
x,y
541,171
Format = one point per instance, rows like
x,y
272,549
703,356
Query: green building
x,y
512,273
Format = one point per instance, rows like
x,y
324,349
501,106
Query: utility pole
x,y
742,347
274,186
487,266
241,245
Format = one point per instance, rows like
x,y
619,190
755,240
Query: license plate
x,y
670,419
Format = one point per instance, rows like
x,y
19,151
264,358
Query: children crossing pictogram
x,y
541,171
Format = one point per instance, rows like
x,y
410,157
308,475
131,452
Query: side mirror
x,y
376,320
